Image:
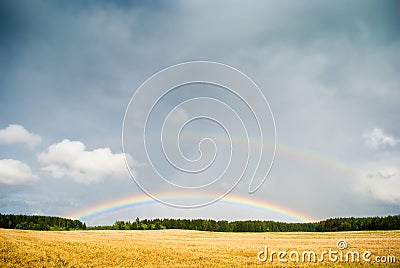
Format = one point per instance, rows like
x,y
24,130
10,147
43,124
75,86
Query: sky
x,y
327,69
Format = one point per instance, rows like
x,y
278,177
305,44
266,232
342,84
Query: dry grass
x,y
179,248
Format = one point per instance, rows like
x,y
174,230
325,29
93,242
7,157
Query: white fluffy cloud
x,y
17,134
15,172
376,139
70,159
380,179
382,182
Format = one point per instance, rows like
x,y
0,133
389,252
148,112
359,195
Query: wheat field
x,y
182,248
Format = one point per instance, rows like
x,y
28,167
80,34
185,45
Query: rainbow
x,y
130,202
283,148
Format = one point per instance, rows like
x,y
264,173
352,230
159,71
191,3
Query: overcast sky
x,y
329,70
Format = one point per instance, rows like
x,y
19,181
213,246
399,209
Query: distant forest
x,y
330,225
42,223
10,221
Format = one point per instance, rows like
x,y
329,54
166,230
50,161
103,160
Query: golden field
x,y
182,248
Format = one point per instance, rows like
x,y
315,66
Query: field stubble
x,y
181,248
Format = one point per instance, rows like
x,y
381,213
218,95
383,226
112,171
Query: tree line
x,y
42,223
329,225
11,221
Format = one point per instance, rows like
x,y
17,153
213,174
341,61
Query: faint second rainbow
x,y
130,202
